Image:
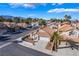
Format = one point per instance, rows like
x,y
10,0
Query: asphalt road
x,y
17,50
12,36
9,48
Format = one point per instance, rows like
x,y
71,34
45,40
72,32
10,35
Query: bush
x,y
25,37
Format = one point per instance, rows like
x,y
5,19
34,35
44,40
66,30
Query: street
x,y
10,48
17,50
12,37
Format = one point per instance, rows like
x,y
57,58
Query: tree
x,y
42,22
1,19
55,38
56,20
53,19
9,20
16,19
29,20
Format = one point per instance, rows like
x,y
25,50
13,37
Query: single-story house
x,y
34,24
65,28
24,25
9,24
52,25
45,33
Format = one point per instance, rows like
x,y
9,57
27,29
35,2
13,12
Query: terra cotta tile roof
x,y
46,31
74,39
65,27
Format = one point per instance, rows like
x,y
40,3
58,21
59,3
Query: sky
x,y
40,10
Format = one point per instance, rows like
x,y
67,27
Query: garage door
x,y
44,38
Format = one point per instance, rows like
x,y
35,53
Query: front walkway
x,y
41,44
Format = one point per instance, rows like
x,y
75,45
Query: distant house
x,y
52,25
23,25
13,24
7,23
34,24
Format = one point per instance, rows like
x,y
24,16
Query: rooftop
x,y
46,31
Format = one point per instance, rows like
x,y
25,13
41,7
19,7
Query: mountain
x,y
10,17
6,16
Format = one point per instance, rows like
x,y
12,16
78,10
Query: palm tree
x,y
67,18
55,39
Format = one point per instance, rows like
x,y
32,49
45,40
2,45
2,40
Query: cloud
x,y
43,4
31,15
57,4
60,3
25,5
59,10
54,4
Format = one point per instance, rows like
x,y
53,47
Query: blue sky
x,y
41,10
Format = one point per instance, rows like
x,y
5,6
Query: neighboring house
x,y
73,38
52,25
13,24
65,28
76,39
24,25
69,32
34,24
7,23
77,25
68,29
2,25
10,24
